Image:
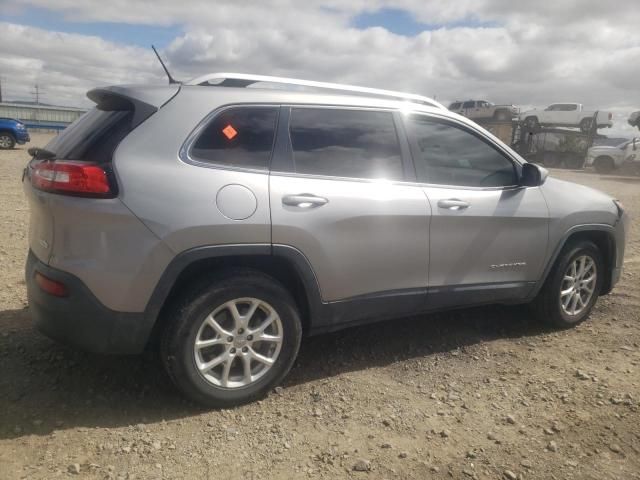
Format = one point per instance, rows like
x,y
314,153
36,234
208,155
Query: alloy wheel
x,y
578,285
5,141
238,343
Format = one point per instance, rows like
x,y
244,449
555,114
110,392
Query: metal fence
x,y
41,116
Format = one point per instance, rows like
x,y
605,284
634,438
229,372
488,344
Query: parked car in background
x,y
565,115
225,222
12,132
605,158
634,119
481,109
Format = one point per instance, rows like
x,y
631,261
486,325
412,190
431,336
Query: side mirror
x,y
533,175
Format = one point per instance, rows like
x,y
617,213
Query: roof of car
x,y
243,80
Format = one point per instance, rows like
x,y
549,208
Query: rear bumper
x,y
79,319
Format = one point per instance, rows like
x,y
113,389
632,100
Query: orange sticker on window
x,y
229,132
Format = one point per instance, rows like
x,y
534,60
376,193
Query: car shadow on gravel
x,y
379,344
45,386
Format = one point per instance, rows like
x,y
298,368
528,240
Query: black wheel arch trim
x,y
599,227
326,316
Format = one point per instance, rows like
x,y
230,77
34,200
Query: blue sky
x,y
402,22
120,32
398,21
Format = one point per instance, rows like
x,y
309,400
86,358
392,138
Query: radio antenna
x,y
171,79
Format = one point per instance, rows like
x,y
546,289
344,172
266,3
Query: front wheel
x,y
604,164
7,141
572,287
232,339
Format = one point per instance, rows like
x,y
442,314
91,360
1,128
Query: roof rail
x,y
244,80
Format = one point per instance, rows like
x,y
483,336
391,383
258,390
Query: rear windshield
x,y
92,137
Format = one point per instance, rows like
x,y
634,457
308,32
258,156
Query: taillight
x,y
52,287
72,178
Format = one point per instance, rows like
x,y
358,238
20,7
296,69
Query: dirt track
x,y
484,393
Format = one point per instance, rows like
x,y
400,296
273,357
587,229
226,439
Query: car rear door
x,y
488,236
339,198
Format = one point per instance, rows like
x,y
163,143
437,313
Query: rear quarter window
x,y
238,137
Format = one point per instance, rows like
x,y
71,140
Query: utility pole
x,y
0,89
36,93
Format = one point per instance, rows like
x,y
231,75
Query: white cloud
x,y
529,54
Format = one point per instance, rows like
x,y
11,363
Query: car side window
x,y
447,154
345,143
468,104
454,106
238,137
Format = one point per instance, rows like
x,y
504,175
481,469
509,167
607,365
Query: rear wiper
x,y
40,153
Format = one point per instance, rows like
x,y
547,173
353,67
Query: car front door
x,y
339,198
488,235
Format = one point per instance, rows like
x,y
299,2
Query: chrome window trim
x,y
185,157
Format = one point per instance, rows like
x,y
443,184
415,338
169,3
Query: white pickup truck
x,y
606,158
565,115
481,109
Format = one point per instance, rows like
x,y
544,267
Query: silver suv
x,y
226,218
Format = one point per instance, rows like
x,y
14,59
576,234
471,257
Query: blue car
x,y
11,132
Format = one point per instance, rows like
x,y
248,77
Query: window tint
x,y
238,137
345,143
447,155
92,137
468,104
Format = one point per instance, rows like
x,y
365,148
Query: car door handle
x,y
304,200
453,204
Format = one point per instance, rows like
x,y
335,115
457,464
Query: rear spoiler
x,y
142,100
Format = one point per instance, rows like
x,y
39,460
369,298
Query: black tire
x,y
604,164
186,315
547,305
585,125
532,123
7,141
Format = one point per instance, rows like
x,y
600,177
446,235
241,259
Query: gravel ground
x,y
483,393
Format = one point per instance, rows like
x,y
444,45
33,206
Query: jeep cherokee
x,y
226,219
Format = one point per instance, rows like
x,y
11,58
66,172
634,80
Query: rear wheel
x,y
573,286
604,164
7,141
232,339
